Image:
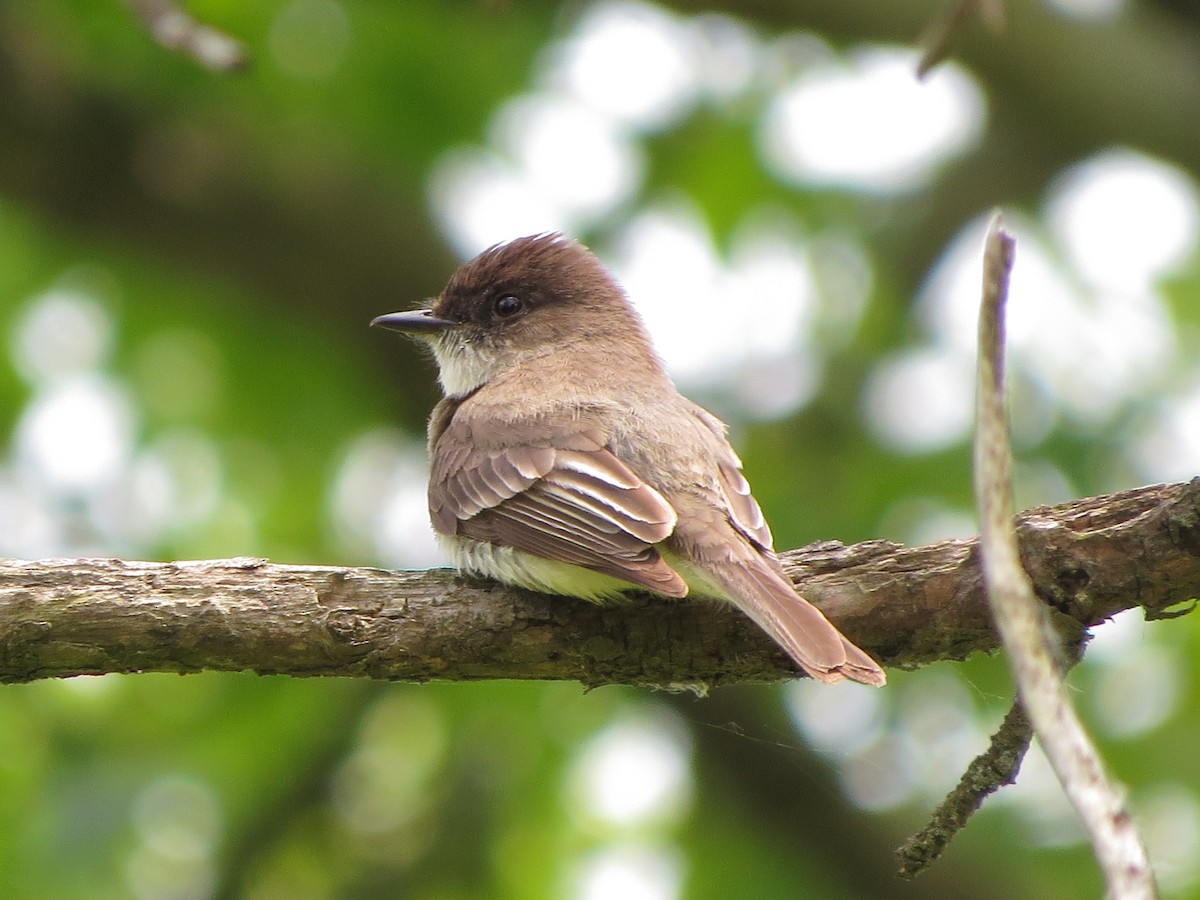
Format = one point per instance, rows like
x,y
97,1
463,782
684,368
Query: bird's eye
x,y
507,305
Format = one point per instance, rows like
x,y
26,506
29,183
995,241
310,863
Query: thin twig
x,y
991,770
988,772
1022,621
939,34
174,29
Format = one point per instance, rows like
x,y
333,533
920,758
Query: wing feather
x,y
602,467
744,510
561,495
500,468
633,503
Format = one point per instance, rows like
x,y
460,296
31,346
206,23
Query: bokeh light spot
x,y
1097,10
633,61
482,199
1169,445
178,374
77,435
838,719
714,321
574,158
1088,353
1168,816
62,332
1137,692
178,816
867,123
378,501
636,770
309,38
1124,219
920,400
632,871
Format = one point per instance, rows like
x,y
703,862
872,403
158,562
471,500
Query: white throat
x,y
463,367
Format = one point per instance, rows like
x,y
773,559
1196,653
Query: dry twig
x,y
939,34
988,772
174,29
1024,627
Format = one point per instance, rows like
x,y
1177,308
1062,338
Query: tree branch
x,y
907,606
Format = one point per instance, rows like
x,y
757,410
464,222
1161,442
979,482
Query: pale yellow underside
x,y
551,577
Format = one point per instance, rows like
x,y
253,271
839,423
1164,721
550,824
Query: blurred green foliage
x,y
238,232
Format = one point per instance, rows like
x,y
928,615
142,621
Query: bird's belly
x,y
548,576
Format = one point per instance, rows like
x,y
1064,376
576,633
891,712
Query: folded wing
x,y
561,495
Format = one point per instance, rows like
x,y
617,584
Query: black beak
x,y
417,321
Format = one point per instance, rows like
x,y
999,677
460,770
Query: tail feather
x,y
795,624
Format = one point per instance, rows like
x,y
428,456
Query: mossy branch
x,y
908,606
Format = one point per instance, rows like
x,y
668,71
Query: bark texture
x,y
907,606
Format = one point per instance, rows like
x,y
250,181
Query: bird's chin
x,y
463,367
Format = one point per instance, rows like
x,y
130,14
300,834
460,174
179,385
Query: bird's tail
x,y
796,625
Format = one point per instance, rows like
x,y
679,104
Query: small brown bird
x,y
564,460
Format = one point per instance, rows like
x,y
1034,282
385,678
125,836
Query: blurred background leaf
x,y
187,265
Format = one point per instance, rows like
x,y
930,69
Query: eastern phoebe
x,y
564,460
